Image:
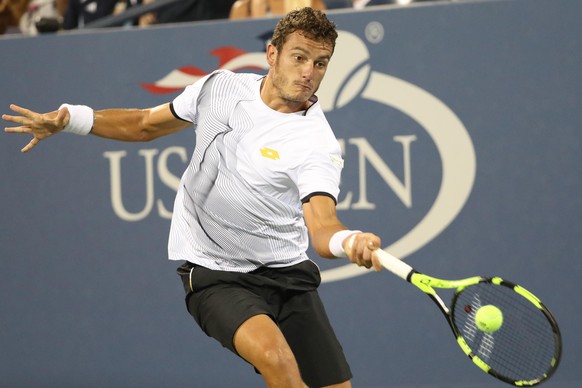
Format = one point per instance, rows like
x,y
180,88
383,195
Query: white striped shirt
x,y
239,206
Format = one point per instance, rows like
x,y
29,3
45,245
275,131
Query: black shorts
x,y
221,301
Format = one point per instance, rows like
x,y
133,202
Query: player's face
x,y
297,70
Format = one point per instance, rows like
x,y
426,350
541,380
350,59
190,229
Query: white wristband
x,y
336,242
81,119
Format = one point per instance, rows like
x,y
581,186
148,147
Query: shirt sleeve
x,y
321,172
185,105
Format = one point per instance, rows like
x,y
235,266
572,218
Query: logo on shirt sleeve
x,y
337,160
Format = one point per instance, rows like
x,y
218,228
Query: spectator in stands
x,y
10,13
188,11
24,15
81,12
243,9
39,12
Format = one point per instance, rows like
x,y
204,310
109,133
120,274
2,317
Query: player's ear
x,y
271,54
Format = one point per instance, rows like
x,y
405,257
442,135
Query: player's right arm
x,y
117,124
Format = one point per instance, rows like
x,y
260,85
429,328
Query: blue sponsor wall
x,y
460,124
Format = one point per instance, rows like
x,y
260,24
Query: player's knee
x,y
279,369
277,359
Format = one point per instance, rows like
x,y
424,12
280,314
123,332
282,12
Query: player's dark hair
x,y
312,23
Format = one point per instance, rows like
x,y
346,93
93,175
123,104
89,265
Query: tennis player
x,y
263,179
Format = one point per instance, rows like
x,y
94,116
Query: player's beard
x,y
291,90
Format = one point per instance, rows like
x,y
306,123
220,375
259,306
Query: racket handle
x,y
394,264
391,263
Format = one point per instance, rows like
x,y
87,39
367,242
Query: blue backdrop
x,y
460,124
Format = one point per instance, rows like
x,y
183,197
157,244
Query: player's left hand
x,y
39,125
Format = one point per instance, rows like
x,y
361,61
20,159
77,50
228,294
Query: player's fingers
x,y
21,129
30,145
22,111
51,122
359,251
16,119
376,263
369,245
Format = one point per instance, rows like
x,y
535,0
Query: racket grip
x,y
394,264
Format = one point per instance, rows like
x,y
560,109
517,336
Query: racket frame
x,y
427,284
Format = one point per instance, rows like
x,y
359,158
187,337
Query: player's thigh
x,y
221,309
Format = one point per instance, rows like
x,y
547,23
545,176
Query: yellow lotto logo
x,y
269,153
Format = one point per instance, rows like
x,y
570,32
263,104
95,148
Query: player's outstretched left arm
x,y
117,124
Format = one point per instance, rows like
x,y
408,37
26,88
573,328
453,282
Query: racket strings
x,y
524,348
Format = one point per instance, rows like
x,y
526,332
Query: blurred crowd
x,y
30,17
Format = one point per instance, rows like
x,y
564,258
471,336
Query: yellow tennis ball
x,y
489,318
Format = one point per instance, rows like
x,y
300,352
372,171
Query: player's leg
x,y
226,308
311,337
259,341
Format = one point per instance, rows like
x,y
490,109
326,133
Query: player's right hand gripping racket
x,y
524,345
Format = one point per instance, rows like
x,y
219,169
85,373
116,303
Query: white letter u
x,y
116,192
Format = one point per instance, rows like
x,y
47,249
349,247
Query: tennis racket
x,y
523,351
